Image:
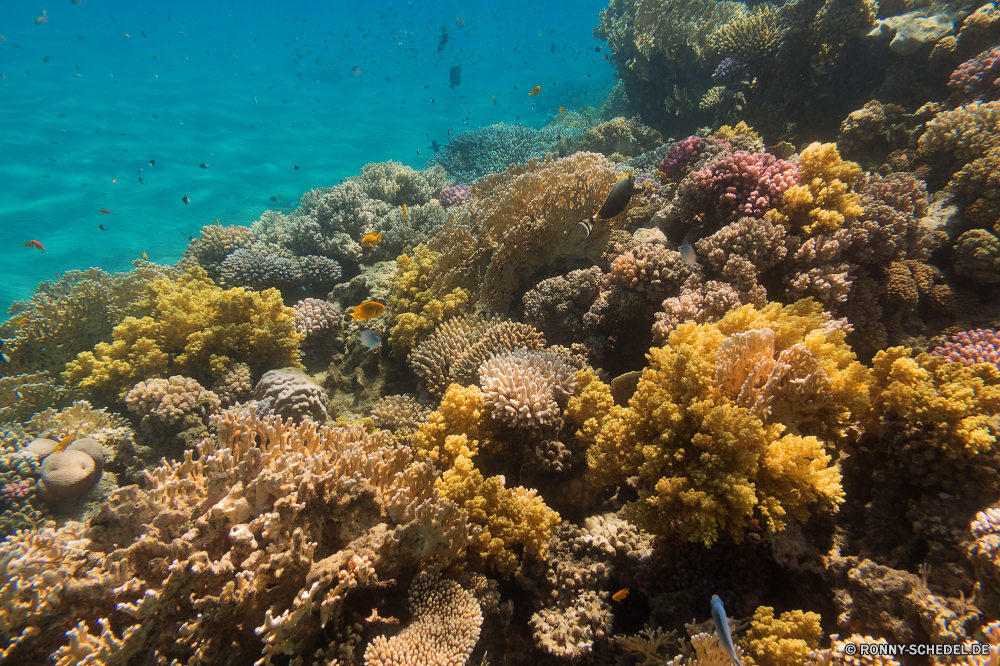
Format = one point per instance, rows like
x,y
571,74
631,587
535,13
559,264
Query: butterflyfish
x,y
534,91
372,239
34,243
689,256
365,311
616,202
722,630
620,595
369,340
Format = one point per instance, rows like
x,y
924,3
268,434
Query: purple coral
x,y
679,157
975,73
454,196
970,347
747,184
16,491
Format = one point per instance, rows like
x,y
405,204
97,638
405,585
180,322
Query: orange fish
x,y
404,213
144,257
620,595
534,91
365,311
34,243
562,109
372,239
106,211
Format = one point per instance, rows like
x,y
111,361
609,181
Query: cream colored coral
x,y
398,412
970,130
524,387
836,656
444,630
170,400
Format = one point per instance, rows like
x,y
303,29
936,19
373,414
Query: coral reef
x,y
292,395
473,154
556,306
825,201
746,184
234,385
398,412
971,347
619,136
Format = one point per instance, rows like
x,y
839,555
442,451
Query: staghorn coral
x,y
508,517
168,401
526,388
746,184
292,395
398,412
618,135
680,424
520,222
234,385
557,305
456,348
416,309
473,154
212,246
951,402
752,39
977,256
970,131
971,347
313,316
782,641
195,329
825,201
444,630
651,269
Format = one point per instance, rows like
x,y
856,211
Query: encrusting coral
x,y
713,438
195,329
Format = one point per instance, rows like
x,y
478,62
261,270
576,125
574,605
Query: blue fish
x,y
369,340
689,256
722,626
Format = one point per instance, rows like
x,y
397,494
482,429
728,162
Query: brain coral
x,y
292,395
195,329
444,630
705,461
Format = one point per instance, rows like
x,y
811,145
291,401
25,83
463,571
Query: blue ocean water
x,y
113,105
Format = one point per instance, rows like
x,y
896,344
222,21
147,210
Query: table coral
x,y
825,200
705,463
520,222
509,517
444,629
952,402
474,154
194,328
415,307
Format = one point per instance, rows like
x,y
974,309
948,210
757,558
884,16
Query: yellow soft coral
x,y
195,329
509,517
455,428
413,302
706,463
784,641
954,403
826,200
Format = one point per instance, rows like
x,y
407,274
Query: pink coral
x,y
971,347
652,269
314,316
454,196
975,74
747,184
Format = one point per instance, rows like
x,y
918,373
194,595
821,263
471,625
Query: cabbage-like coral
x,y
705,461
825,201
415,308
455,428
195,329
782,641
953,403
213,245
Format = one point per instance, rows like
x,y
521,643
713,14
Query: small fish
x,y
562,109
101,227
19,395
689,256
273,198
365,311
404,218
388,79
186,199
34,243
295,166
620,595
722,629
355,70
65,441
535,91
371,239
616,202
217,222
46,58
203,166
444,39
369,340
455,76
141,181
22,321
44,18
106,211
435,146
144,257
152,162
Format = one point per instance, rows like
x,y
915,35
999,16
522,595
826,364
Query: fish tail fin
x,y
588,226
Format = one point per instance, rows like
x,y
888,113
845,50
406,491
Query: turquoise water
x,y
93,94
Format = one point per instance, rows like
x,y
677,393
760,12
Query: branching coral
x,y
170,400
314,316
416,309
782,641
752,39
971,347
520,222
704,462
621,136
970,131
652,269
746,184
213,245
825,201
195,329
557,305
398,412
527,388
977,256
951,402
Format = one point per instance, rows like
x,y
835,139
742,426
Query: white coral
x,y
524,388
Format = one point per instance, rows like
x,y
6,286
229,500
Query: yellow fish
x,y
67,440
534,91
144,257
372,239
562,109
620,594
404,212
365,311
